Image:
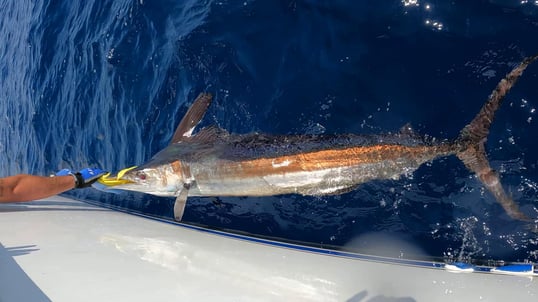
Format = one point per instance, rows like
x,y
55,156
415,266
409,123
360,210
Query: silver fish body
x,y
213,162
261,165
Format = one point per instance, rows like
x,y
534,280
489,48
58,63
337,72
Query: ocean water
x,y
104,84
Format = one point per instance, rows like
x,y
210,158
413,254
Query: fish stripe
x,y
331,159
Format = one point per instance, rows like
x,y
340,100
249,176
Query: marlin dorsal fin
x,y
193,116
210,134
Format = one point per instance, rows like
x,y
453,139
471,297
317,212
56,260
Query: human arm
x,y
24,187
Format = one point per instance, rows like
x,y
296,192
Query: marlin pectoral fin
x,y
181,202
193,116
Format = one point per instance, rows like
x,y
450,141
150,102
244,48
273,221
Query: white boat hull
x,y
59,249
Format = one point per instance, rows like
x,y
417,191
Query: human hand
x,y
85,177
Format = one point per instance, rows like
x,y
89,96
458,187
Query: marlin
x,y
213,162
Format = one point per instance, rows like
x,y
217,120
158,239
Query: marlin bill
x,y
213,162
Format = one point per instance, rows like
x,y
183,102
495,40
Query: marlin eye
x,y
141,175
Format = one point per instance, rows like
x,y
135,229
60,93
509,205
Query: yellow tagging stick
x,y
114,181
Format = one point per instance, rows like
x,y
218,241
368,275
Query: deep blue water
x,y
104,83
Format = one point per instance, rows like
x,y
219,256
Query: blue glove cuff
x,y
65,172
84,178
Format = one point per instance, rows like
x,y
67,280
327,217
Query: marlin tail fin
x,y
472,139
